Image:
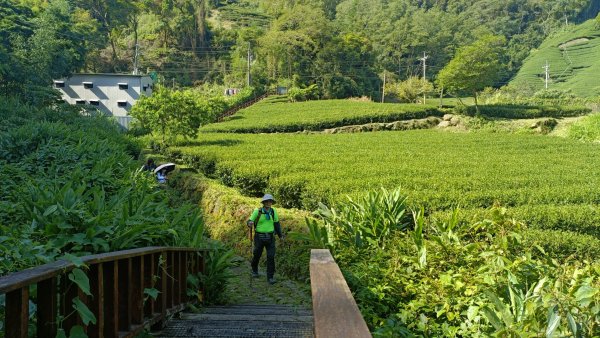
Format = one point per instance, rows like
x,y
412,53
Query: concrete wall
x,y
105,91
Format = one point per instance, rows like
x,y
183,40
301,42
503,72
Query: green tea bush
x,y
515,111
267,117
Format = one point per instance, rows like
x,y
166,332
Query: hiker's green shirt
x,y
265,223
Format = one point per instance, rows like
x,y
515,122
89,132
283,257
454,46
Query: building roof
x,y
109,74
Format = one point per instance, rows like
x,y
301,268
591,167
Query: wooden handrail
x,y
241,106
117,283
335,312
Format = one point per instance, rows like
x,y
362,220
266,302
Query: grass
x,y
275,116
573,58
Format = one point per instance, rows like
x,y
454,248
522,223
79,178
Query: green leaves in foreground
x,y
84,312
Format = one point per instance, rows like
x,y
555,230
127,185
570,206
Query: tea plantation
x,y
473,234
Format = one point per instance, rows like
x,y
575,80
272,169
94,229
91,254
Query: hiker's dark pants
x,y
264,240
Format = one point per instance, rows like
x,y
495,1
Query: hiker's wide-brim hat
x,y
267,197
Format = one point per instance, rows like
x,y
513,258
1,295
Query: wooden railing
x,y
335,312
241,106
117,282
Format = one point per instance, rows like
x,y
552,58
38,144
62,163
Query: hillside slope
x,y
573,56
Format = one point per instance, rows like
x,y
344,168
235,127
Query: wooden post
x,y
176,275
124,296
111,299
47,308
183,271
335,312
96,276
137,290
149,272
17,313
170,279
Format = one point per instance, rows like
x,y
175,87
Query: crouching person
x,y
265,223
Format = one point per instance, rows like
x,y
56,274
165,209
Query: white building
x,y
114,94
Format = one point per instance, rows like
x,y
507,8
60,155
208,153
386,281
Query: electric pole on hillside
x,y
424,59
249,56
547,70
135,60
383,88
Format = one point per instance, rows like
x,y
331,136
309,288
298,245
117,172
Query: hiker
x,y
161,176
150,165
265,222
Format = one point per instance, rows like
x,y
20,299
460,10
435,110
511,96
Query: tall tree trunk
x,y
201,23
476,105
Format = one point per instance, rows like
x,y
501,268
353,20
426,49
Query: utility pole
x,y
424,59
547,70
248,77
135,60
383,88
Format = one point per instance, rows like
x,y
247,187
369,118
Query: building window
x,y
88,85
94,102
79,101
122,103
59,84
123,85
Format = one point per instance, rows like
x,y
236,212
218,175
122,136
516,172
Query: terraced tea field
x,y
270,116
436,169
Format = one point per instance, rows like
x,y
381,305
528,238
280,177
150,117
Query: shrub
x,y
523,111
587,129
296,94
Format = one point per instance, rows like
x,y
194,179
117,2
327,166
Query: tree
x,y
474,67
410,90
172,112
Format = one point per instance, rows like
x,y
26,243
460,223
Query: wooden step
x,y
242,321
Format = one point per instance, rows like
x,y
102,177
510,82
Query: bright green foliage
x,y
587,129
411,90
169,113
71,186
317,115
515,111
448,277
303,94
572,65
474,67
366,222
216,275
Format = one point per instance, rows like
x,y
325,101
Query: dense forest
x,y
342,46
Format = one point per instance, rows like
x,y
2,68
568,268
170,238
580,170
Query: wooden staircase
x,y
238,321
241,106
